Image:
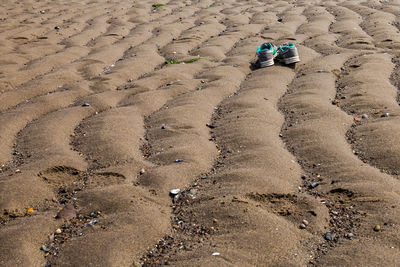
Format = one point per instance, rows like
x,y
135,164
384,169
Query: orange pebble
x,y
30,210
357,119
73,134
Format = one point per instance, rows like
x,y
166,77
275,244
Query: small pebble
x,y
42,11
350,235
163,126
385,115
320,71
302,226
280,19
201,23
193,191
142,171
85,104
169,84
313,184
328,236
57,28
377,228
178,160
174,39
305,222
58,231
30,210
44,248
17,171
93,222
198,88
364,116
216,254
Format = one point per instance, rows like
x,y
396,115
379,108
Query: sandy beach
x,y
107,106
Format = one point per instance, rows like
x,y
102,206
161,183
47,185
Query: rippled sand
x,y
280,166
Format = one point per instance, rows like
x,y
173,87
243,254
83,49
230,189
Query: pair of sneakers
x,y
286,53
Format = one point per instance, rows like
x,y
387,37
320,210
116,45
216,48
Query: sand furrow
x,y
99,59
248,177
372,137
160,80
315,132
86,66
379,25
241,146
211,127
137,109
15,120
92,195
347,25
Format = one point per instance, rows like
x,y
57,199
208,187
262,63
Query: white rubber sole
x,y
291,60
267,63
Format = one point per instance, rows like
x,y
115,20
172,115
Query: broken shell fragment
x,y
174,192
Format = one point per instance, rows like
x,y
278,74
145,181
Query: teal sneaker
x,y
266,54
288,54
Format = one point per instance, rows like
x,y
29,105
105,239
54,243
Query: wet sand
x,y
279,166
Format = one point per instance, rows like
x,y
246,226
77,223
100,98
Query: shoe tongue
x,y
285,46
266,46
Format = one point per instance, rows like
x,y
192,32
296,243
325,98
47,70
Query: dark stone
x,y
328,236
